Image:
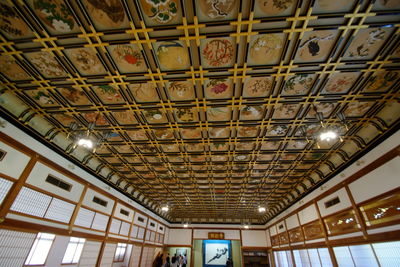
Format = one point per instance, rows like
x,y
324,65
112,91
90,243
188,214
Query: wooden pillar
x,y
77,207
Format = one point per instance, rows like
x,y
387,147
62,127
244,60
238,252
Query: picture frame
x,y
216,252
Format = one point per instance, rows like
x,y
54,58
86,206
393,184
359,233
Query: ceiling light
x,y
261,209
85,142
327,135
186,225
165,208
246,226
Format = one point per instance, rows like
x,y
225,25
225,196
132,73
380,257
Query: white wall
x,y
378,181
254,238
14,162
89,254
180,237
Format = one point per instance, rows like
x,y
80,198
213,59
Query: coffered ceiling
x,y
211,105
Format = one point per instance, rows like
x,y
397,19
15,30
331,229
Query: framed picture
x,y
181,251
216,252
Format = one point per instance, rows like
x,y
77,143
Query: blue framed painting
x,y
216,252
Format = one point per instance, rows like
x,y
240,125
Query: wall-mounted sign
x,y
216,235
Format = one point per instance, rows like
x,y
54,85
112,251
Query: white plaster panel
x,y
14,162
150,223
254,238
378,181
88,201
308,214
343,204
121,216
137,222
203,233
38,176
292,222
280,227
180,237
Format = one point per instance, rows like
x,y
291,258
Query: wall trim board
x,y
5,176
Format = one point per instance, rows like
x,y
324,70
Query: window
x,y
100,201
74,250
124,212
40,249
161,228
120,252
152,224
140,219
58,182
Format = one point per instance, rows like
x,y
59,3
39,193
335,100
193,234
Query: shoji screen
x,y
37,204
147,257
343,256
379,254
134,261
301,258
108,255
388,253
14,247
325,257
89,254
363,255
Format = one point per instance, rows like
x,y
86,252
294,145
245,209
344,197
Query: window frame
x,y
34,248
121,256
76,243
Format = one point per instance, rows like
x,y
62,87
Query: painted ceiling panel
x,y
212,107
